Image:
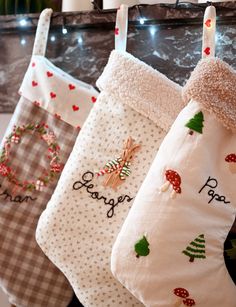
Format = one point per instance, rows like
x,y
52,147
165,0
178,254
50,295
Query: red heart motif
x,y
71,87
53,95
207,50
208,23
116,31
34,83
94,99
33,64
49,74
75,108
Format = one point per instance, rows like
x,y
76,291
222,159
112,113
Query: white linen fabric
x,y
169,251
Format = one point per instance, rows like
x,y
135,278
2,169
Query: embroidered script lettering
x,y
86,183
16,198
212,184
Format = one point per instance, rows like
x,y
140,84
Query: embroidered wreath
x,y
53,148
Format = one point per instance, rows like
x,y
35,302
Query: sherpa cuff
x,y
142,88
213,85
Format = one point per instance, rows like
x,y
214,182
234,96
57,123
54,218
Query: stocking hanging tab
x,y
121,28
41,36
209,29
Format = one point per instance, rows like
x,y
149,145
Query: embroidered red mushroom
x,y
181,293
174,179
189,302
231,159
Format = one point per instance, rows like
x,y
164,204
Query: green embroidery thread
x,y
196,123
196,249
142,247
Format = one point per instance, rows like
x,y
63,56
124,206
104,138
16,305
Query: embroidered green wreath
x,y
15,137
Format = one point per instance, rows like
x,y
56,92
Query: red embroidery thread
x,y
53,148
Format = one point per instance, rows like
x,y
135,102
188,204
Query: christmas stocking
x,y
104,172
169,251
37,144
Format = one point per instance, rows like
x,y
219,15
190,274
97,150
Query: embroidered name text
x,y
212,184
86,183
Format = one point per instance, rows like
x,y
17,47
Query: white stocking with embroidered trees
x,y
104,172
36,145
169,251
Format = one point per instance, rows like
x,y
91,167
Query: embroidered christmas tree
x,y
196,123
141,247
196,249
232,252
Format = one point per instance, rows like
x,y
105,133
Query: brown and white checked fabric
x,y
26,274
50,96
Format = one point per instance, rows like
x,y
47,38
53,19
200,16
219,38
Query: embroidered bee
x,y
117,170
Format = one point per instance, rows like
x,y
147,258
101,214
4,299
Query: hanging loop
x,y
121,28
41,36
209,30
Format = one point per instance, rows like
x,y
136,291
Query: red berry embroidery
x,y
34,83
116,31
33,64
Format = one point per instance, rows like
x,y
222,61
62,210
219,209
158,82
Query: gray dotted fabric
x,y
74,231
